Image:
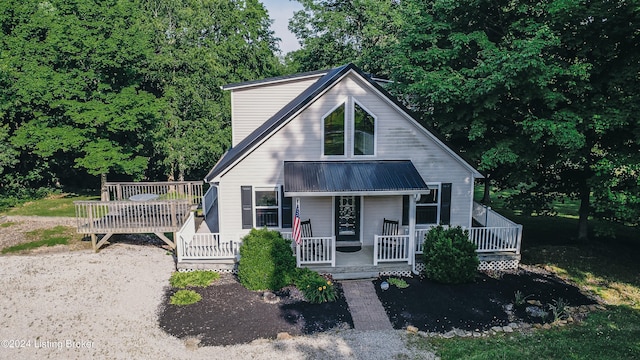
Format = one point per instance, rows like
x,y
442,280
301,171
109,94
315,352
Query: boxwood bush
x,y
266,261
449,256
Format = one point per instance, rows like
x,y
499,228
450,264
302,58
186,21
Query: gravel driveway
x,y
78,305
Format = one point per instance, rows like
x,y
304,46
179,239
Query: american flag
x,y
296,224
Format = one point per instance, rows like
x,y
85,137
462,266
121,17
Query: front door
x,y
347,218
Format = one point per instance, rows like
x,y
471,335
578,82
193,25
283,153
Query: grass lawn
x,y
52,205
59,235
606,267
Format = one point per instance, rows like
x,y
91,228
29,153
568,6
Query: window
x,y
364,131
334,132
267,207
428,205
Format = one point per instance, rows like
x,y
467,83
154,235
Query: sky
x,y
281,11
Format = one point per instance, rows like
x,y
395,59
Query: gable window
x,y
427,206
334,132
267,206
364,131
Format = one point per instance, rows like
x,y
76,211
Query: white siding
x,y
374,211
252,106
300,139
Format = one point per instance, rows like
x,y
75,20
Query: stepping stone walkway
x,y
366,310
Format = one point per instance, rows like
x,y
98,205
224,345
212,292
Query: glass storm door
x,y
347,218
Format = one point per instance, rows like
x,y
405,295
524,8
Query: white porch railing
x,y
209,199
420,234
498,233
192,245
389,248
316,250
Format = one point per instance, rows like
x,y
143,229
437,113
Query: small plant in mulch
x,y
559,309
520,299
185,297
316,288
183,280
198,278
399,283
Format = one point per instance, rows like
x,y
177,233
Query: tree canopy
x,y
541,96
122,87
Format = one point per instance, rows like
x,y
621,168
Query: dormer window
x,y
349,130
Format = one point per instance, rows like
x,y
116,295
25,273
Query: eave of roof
x,y
274,80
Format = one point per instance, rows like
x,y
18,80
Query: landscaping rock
x,y
507,329
412,329
284,336
497,328
449,334
270,298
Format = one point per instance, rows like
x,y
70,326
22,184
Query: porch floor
x,y
359,265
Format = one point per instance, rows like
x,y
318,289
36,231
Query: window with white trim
x,y
364,125
333,127
361,130
267,206
428,206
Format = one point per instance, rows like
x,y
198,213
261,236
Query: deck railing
x,y
495,239
316,250
391,248
209,199
168,190
102,217
419,242
193,246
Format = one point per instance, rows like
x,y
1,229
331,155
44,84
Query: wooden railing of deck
x,y
168,190
123,217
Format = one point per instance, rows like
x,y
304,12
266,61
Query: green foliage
x,y
520,299
198,278
7,224
185,297
58,235
334,33
560,78
52,205
559,309
266,260
399,283
603,335
449,256
315,287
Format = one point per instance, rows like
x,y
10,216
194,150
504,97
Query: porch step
x,y
355,275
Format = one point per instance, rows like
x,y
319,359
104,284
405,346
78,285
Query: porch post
x,y
412,231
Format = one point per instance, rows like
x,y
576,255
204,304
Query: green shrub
x,y
449,256
266,261
399,283
185,297
198,278
315,287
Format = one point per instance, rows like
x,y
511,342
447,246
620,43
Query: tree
x,y
74,96
336,32
524,88
200,46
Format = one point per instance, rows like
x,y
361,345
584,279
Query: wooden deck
x,y
130,217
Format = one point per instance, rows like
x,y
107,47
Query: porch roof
x,y
329,178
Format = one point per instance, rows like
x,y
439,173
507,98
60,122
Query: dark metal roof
x,y
274,79
352,177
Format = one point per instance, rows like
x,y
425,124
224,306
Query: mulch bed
x,y
435,307
230,314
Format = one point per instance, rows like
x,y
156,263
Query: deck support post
x,y
162,237
98,244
